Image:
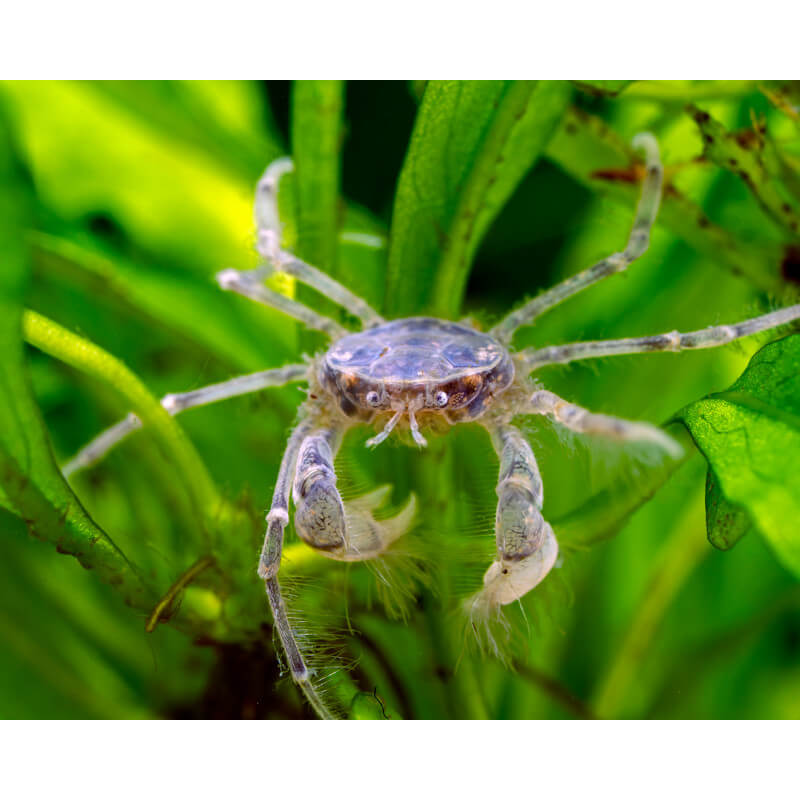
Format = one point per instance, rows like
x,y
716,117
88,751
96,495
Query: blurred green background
x,y
128,197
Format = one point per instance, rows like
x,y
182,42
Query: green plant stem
x,y
555,690
177,587
678,92
51,338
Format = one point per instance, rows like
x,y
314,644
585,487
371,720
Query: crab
x,y
417,374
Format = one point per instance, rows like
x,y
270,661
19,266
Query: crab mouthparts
x,y
411,407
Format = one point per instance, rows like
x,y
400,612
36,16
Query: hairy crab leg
x,y
269,564
673,342
526,546
578,419
250,284
269,246
175,403
638,242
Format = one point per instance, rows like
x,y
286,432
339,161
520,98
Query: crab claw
x,y
349,531
368,537
507,580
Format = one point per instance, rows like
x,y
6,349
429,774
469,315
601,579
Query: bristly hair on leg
x,y
509,633
401,568
318,635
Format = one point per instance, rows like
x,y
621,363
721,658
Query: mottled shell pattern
x,y
421,363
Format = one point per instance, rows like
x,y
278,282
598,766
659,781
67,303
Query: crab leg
x,y
175,403
672,342
250,284
617,262
277,519
526,546
580,420
269,241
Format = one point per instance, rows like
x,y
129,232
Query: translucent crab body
x,y
420,367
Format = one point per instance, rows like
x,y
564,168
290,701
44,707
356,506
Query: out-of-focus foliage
x,y
120,202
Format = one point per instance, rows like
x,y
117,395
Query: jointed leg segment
x,y
526,546
277,519
175,403
345,533
251,283
673,342
637,244
580,420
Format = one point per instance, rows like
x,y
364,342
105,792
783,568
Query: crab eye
x,y
373,399
441,399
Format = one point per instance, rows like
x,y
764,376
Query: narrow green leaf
x,y
32,484
316,145
603,88
603,514
72,349
473,141
742,155
750,436
682,92
595,156
189,305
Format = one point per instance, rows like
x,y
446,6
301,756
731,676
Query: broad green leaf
x,y
362,254
603,88
32,485
750,435
473,141
179,301
726,523
224,118
316,144
177,203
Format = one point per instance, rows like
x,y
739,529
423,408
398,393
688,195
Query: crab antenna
x,y
418,437
376,440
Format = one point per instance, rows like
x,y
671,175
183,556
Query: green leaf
x,y
76,351
726,523
224,118
316,145
603,88
742,154
32,485
179,301
473,141
750,436
604,513
597,157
